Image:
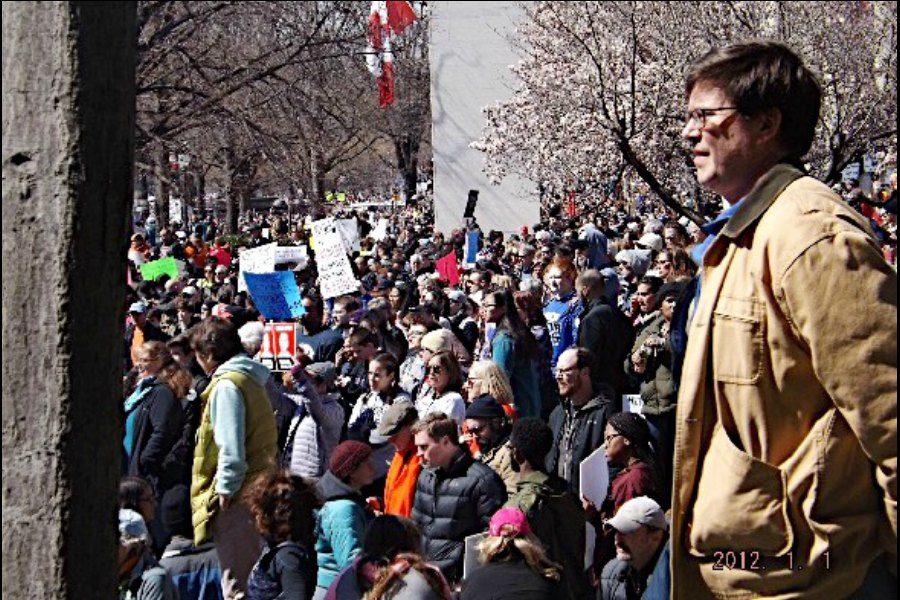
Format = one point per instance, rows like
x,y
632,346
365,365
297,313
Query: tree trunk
x,y
644,172
200,178
406,149
163,172
68,151
231,209
316,189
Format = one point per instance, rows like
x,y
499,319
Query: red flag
x,y
400,15
386,81
447,269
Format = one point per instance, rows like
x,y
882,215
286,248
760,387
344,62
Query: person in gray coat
x,y
315,428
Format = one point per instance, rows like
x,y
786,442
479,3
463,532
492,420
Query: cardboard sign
x,y
594,474
255,260
279,347
336,276
294,254
153,270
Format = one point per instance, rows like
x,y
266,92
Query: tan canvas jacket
x,y
786,445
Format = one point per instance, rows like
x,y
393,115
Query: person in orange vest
x,y
400,487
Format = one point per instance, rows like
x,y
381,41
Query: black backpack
x,y
262,583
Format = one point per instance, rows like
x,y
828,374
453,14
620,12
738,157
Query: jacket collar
x,y
459,465
760,198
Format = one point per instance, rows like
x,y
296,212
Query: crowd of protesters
x,y
418,412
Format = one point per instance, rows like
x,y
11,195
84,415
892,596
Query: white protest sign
x,y
470,553
380,232
594,474
349,233
255,260
851,171
633,403
286,254
336,276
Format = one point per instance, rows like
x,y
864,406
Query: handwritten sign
x,y
151,271
633,403
447,269
276,295
255,260
336,276
349,233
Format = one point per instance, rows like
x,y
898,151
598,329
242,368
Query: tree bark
x,y
407,152
68,148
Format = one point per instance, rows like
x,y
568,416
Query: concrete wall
x,y
470,55
68,129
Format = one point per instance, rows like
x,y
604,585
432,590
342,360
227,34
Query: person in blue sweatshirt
x,y
564,307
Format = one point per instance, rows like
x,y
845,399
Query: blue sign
x,y
276,295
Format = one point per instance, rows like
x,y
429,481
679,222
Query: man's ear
x,y
769,124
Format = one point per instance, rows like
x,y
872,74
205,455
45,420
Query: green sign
x,y
154,270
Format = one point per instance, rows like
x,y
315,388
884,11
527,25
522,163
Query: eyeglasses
x,y
434,369
474,430
569,370
700,115
611,437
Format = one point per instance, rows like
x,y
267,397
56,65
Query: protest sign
x,y
255,260
276,295
349,233
153,270
380,232
336,276
633,403
285,254
470,553
594,474
447,269
470,250
278,350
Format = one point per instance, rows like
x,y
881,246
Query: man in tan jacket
x,y
786,443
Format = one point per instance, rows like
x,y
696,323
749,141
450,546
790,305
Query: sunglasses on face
x,y
434,370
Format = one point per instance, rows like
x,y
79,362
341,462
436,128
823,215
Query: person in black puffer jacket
x,y
455,495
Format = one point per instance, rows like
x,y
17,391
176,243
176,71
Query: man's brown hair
x,y
759,75
438,425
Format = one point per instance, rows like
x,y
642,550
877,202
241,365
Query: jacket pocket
x,y
737,340
741,503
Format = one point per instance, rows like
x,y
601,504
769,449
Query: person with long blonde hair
x,y
514,564
154,422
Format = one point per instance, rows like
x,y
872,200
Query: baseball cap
x,y
636,512
651,241
221,269
322,370
456,295
132,526
137,307
509,522
395,417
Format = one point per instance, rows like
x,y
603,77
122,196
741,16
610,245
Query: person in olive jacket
x,y
455,494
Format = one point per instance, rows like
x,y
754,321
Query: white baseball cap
x,y
636,512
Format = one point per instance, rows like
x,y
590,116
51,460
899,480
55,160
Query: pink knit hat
x,y
509,522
